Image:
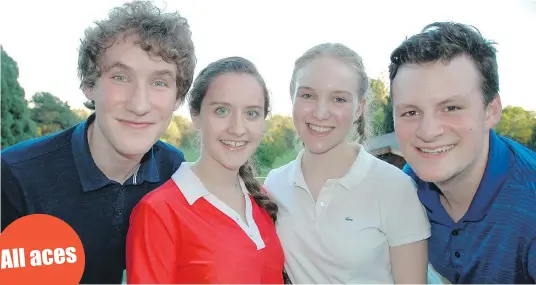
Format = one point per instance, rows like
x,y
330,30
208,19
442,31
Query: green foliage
x,y
380,109
518,124
51,114
16,122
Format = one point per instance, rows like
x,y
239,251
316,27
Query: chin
x,y
135,147
433,174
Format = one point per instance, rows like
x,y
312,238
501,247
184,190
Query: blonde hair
x,y
351,58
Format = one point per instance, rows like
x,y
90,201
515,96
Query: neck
x,y
115,166
332,164
206,167
459,191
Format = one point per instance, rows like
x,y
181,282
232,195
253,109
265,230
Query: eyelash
x,y
337,99
456,108
125,79
255,113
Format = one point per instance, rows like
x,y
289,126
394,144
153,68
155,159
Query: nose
x,y
321,111
429,128
237,126
139,102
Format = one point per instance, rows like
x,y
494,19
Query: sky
x,y
43,37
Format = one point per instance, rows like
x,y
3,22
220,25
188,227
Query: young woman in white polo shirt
x,y
345,216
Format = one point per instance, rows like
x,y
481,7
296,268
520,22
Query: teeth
x,y
437,150
233,143
319,129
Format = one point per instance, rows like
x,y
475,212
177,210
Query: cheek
x,y
109,94
405,130
164,101
344,115
256,130
302,109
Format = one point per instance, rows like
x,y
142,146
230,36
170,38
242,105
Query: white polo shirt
x,y
345,236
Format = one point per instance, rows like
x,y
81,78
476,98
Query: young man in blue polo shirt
x,y
135,68
479,188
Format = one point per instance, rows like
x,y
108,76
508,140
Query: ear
x,y
88,92
494,112
195,119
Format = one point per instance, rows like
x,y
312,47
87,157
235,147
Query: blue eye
x,y
160,83
252,114
222,111
340,100
119,77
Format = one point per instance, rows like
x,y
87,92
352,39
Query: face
x,y
441,121
325,103
135,97
231,120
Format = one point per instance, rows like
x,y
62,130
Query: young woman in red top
x,y
211,222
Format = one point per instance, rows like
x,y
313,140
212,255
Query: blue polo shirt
x,y
495,242
56,175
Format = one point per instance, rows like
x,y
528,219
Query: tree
x,y
81,114
51,114
172,134
16,124
380,110
518,124
278,139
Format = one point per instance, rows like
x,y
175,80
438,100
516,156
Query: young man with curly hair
x,y
135,67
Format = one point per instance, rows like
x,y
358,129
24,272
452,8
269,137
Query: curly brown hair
x,y
162,34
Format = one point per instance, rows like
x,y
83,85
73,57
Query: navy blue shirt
x,y
56,175
495,241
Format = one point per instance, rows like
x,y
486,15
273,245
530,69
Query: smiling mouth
x,y
136,125
233,144
439,150
319,129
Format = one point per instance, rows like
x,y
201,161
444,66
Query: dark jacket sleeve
x,y
13,202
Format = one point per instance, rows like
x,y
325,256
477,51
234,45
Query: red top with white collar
x,y
180,233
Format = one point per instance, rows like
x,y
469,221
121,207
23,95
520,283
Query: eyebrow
x,y
229,105
443,102
120,65
333,92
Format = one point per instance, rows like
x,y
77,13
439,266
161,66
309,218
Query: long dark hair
x,y
196,96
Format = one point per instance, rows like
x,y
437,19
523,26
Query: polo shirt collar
x,y
353,177
495,174
91,177
191,186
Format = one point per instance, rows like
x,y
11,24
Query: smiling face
x,y
231,120
325,103
441,121
135,97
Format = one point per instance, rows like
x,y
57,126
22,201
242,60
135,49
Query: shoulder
x,y
524,158
523,168
168,151
37,148
389,179
279,175
160,198
168,157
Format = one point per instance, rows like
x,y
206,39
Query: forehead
x,y
436,81
237,89
327,73
127,51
